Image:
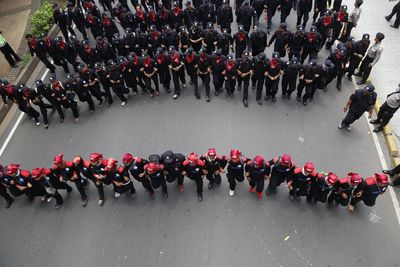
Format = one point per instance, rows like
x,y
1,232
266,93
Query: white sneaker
x,y
37,123
117,195
123,103
340,126
184,85
231,193
348,128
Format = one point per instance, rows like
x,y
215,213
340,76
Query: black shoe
x,y
388,18
208,98
361,82
266,98
239,88
69,192
349,78
310,99
84,202
197,95
374,121
259,102
190,82
288,97
274,99
61,120
210,185
245,103
298,99
267,192
57,206
377,129
9,203
152,196
253,87
305,102
390,26
165,195
200,197
388,172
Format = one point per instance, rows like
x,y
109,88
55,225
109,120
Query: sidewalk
x,y
386,73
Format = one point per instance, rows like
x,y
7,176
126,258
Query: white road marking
x,y
10,135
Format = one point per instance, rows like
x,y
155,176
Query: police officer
x,y
271,6
296,42
281,170
257,80
77,16
64,97
235,169
300,182
320,7
323,184
94,24
173,167
217,68
273,72
303,9
37,99
290,70
324,26
257,171
338,58
121,182
132,75
206,13
359,50
342,193
214,164
37,47
190,59
245,15
244,71
63,21
161,62
286,7
258,41
194,169
209,38
45,177
387,110
23,100
91,82
101,74
149,71
224,42
66,53
105,50
169,38
45,90
176,64
230,74
176,16
97,169
241,39
362,100
154,172
225,16
135,166
204,70
189,14
312,44
373,55
115,77
88,54
369,190
196,37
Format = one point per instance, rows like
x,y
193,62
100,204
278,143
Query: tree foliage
x,y
42,19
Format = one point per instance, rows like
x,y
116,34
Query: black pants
x,y
148,80
57,197
4,194
63,63
159,183
288,83
351,117
365,70
80,186
165,78
230,85
218,81
258,183
370,202
335,196
194,79
259,83
64,29
246,82
206,80
96,92
385,114
275,181
176,76
120,90
301,15
232,180
308,52
9,54
30,111
43,109
214,178
271,86
395,11
46,62
353,65
270,13
172,177
284,14
199,184
310,90
294,53
125,188
63,185
298,190
73,106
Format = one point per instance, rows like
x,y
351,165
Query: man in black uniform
x,y
307,77
63,21
338,58
101,74
193,168
169,38
36,99
271,6
117,175
176,64
235,169
77,16
189,14
64,97
173,167
23,100
224,42
161,61
196,37
190,60
244,70
296,42
259,6
90,81
281,38
206,13
324,26
132,75
361,101
241,39
154,172
281,170
312,44
299,183
88,54
149,71
37,47
257,80
135,166
291,70
245,15
303,10
3,189
115,77
204,70
230,74
273,72
359,50
94,24
258,41
286,7
257,171
225,16
45,90
217,67
66,52
209,38
214,164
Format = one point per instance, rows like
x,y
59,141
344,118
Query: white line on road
x,y
10,135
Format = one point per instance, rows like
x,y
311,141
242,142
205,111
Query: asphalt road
x,y
220,231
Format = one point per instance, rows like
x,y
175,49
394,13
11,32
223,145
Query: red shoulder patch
x,y
201,163
138,160
298,170
185,163
104,162
120,169
344,180
370,181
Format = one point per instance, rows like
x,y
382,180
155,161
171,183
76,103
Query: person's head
x,y
95,158
235,155
308,168
192,159
58,160
369,89
37,174
379,37
382,179
211,153
354,179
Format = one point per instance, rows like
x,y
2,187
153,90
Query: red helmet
x,y
193,157
355,178
235,154
77,160
382,178
152,167
37,172
309,167
95,157
111,164
258,160
127,158
332,178
58,159
286,159
211,152
12,169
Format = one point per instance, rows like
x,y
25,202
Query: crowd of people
x,y
161,43
171,167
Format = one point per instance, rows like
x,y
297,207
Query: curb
x,y
390,140
25,74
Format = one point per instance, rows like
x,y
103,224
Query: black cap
x,y
152,27
246,53
369,88
365,36
52,78
171,48
190,50
167,157
261,55
230,56
210,25
241,27
283,25
313,29
328,63
110,62
276,55
294,60
188,3
313,62
343,7
59,38
218,52
38,82
159,50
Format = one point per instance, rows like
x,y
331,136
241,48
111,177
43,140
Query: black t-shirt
x,y
361,102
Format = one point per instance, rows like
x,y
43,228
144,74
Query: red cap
x,y
58,159
211,152
355,178
95,157
152,167
77,160
235,153
193,157
37,172
286,159
332,178
309,167
382,178
12,169
111,164
127,158
258,160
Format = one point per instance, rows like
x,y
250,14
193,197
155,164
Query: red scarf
x,y
88,50
61,45
47,41
274,63
327,21
190,58
160,58
90,19
175,58
311,37
338,56
146,62
88,5
176,11
56,85
140,15
242,36
152,16
9,89
218,59
341,15
33,43
164,14
154,35
136,60
107,22
203,57
230,65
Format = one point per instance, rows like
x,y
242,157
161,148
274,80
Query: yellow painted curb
x,y
390,141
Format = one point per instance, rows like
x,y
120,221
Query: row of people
x,y
170,167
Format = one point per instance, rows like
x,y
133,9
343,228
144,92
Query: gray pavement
x,y
220,231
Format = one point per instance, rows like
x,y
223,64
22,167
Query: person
x,y
235,169
291,70
393,172
225,16
257,79
193,168
37,47
359,50
353,18
149,71
3,189
116,80
303,10
312,44
96,166
387,110
190,60
65,98
121,182
214,164
322,185
204,70
173,167
230,73
395,11
281,169
64,22
257,171
244,71
135,166
257,41
189,14
273,72
44,177
271,6
373,55
206,13
300,182
342,192
281,39
245,15
176,64
241,39
11,57
361,101
217,68
369,190
286,7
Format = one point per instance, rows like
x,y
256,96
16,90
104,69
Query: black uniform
x,y
289,78
258,42
217,68
273,71
225,17
245,15
63,21
175,62
240,39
